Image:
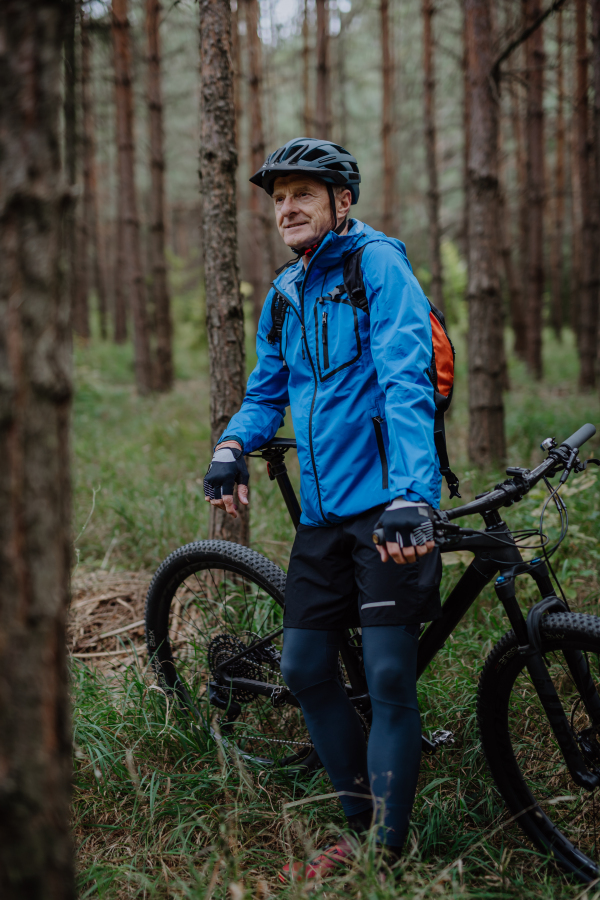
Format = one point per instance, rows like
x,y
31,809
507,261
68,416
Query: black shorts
x,y
336,580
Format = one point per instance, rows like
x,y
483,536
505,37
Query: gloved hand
x,y
227,467
408,530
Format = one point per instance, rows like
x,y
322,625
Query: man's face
x,y
302,209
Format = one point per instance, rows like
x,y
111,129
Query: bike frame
x,y
494,553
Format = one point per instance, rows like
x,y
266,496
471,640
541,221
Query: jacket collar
x,y
330,252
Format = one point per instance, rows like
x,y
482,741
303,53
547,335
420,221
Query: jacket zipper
x,y
314,371
325,344
377,420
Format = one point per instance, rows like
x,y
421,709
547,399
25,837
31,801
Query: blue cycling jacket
x,y
357,385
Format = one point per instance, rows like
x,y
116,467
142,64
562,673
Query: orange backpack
x,y
441,367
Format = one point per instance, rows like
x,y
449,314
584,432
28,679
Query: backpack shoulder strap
x,y
353,280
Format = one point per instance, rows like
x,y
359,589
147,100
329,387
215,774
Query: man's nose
x,y
287,206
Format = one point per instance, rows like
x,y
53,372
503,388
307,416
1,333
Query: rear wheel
x,y
521,750
208,601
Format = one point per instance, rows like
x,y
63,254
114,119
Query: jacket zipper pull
x,y
303,339
324,338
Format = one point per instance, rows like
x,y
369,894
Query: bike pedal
x,y
442,738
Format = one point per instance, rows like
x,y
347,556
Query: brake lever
x,y
582,466
569,465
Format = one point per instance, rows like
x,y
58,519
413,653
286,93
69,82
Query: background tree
x,y
388,219
323,94
70,150
433,193
128,210
588,289
92,263
261,266
534,141
306,104
35,395
486,406
558,206
163,375
224,310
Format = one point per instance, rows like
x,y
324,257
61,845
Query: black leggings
x,y
386,771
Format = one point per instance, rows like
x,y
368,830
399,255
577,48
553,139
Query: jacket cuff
x,y
230,437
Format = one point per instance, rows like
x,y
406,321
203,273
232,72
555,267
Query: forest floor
x,y
158,812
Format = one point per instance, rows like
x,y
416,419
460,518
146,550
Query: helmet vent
x,y
317,153
293,153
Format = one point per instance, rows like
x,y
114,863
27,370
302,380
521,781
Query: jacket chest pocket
x,y
337,334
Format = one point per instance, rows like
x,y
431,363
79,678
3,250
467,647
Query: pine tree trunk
x,y
120,312
70,155
163,380
323,103
466,111
130,223
236,58
306,105
556,251
90,194
518,308
588,310
513,286
486,408
388,224
534,140
433,193
261,207
224,310
35,397
596,134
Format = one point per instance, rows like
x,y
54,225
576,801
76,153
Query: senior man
x,y
355,375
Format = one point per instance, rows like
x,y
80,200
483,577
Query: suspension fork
x,y
538,671
575,659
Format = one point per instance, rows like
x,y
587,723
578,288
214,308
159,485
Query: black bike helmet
x,y
322,159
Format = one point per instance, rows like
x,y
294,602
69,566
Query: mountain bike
x,y
214,629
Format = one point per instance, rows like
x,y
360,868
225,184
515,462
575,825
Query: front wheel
x,y
207,602
522,753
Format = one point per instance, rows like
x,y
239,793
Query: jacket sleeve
x,y
263,410
401,346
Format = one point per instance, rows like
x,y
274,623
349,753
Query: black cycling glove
x,y
407,524
228,467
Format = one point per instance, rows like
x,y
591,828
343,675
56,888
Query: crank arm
x,y
260,688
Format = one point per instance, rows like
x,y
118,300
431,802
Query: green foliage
x,y
158,810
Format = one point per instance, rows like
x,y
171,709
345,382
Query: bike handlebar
x,y
582,435
562,457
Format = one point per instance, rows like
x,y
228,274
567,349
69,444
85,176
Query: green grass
x,y
158,811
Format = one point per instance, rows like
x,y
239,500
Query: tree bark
x,y
224,310
534,140
130,223
260,207
556,251
433,193
388,224
306,104
35,396
466,108
90,193
518,309
163,380
323,101
486,408
120,311
596,139
70,156
588,310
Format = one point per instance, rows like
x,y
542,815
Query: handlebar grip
x,y
379,536
582,435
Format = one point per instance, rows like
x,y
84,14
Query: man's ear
x,y
343,204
